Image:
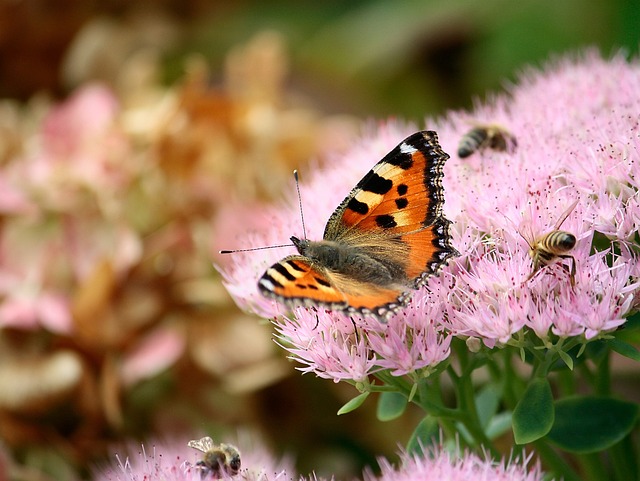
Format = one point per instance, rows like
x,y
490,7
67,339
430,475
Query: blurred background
x,y
139,137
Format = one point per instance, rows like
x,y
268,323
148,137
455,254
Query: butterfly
x,y
386,238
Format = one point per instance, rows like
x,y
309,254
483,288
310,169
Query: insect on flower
x,y
386,238
489,136
219,460
553,245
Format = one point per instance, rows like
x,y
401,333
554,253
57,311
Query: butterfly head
x,y
301,244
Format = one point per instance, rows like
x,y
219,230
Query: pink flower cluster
x,y
577,127
173,462
442,465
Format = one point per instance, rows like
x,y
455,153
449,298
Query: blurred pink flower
x,y
175,461
48,310
438,465
81,120
13,200
79,148
578,137
156,351
32,287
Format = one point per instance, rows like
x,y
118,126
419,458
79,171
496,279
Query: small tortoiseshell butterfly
x,y
387,237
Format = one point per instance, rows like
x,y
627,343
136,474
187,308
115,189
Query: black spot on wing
x,y
399,159
402,189
280,269
268,279
322,282
404,160
386,221
373,182
357,206
295,266
402,202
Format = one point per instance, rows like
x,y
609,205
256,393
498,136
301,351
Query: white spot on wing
x,y
267,284
407,149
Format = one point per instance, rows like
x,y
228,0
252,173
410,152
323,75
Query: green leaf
x,y
625,349
586,424
391,405
630,330
353,404
487,402
567,359
534,413
412,393
425,434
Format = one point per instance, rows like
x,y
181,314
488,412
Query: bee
x,y
554,245
486,136
219,461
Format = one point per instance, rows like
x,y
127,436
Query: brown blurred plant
x,y
107,209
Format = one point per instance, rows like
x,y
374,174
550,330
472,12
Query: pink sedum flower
x,y
413,340
440,465
578,137
339,347
327,344
175,461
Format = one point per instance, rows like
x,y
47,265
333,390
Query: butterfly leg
x,y
355,330
317,319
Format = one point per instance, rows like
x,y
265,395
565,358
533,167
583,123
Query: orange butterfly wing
x,y
402,197
393,217
297,280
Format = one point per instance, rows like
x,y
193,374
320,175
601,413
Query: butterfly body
x,y
384,239
358,262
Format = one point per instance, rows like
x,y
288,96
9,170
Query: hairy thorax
x,y
353,261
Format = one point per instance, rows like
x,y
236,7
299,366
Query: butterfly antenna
x,y
295,176
254,249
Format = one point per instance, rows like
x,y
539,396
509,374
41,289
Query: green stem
x,y
589,377
511,381
552,461
467,413
592,467
427,397
603,378
624,460
566,383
